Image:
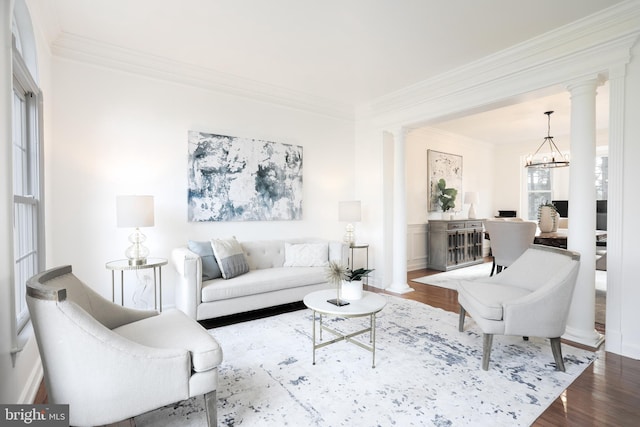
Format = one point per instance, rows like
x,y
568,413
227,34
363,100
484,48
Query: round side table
x,y
123,265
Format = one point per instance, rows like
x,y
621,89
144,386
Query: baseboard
x,y
417,264
32,385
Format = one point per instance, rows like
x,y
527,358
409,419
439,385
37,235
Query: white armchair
x,y
110,363
531,299
509,240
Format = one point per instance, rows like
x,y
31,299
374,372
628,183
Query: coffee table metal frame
x,y
370,304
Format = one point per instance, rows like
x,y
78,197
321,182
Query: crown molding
x,y
81,49
589,46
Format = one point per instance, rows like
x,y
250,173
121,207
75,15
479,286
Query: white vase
x,y
352,291
547,221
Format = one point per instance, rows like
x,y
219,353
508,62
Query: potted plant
x,y
352,285
446,196
547,217
348,282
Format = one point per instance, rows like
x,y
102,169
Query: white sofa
x,y
268,282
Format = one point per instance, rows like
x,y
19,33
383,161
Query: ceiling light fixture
x,y
557,160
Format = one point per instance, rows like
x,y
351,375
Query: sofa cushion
x,y
210,269
486,299
230,257
260,281
306,255
263,253
173,329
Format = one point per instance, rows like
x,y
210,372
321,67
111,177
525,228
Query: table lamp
x,y
471,197
135,211
349,212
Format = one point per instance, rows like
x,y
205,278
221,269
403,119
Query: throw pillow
x,y
306,255
210,269
230,257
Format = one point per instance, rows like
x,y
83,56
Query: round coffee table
x,y
370,304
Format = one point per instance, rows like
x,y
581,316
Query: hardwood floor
x,y
606,394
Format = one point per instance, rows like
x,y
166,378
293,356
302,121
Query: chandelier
x,y
553,160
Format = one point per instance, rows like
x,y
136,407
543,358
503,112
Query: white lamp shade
x,y
349,211
471,197
135,211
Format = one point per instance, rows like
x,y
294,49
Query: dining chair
x,y
509,240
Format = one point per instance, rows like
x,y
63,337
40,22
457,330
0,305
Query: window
x,y
602,178
538,189
28,236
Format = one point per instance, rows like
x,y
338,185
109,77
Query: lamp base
x,y
472,212
137,252
349,236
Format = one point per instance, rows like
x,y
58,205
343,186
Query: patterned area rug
x,y
427,374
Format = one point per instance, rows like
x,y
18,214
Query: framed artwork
x,y
243,179
443,166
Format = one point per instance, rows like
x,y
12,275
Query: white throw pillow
x,y
230,257
306,255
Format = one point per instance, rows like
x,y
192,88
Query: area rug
x,y
427,374
450,279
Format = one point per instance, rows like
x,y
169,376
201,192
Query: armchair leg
x,y
211,403
557,353
487,341
461,320
493,267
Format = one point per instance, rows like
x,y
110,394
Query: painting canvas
x,y
443,166
243,179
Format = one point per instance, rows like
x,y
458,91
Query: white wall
x,y
119,133
477,173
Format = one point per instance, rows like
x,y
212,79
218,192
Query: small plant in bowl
x,y
357,274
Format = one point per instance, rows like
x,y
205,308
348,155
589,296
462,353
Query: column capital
x,y
585,83
399,132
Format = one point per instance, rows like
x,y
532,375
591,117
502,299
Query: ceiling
x,y
345,51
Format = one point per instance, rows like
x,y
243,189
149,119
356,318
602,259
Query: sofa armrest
x,y
339,251
189,287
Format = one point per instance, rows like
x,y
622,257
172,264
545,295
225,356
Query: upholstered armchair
x,y
509,240
530,299
110,363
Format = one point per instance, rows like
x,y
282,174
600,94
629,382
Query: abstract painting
x,y
243,179
443,166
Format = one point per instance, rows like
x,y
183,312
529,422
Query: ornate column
x,y
580,323
399,276
614,215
